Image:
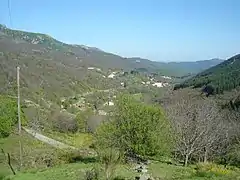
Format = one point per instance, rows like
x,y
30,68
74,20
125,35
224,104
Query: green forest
x,y
220,78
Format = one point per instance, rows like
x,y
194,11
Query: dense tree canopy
x,y
223,77
8,115
136,128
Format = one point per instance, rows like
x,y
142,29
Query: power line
x,y
9,13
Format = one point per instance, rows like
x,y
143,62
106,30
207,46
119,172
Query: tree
x,y
64,122
228,152
198,127
82,118
136,128
8,116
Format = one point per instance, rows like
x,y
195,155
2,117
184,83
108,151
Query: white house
x,y
91,68
165,84
166,77
109,103
112,75
158,84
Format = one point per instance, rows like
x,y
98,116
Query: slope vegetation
x,y
220,78
60,69
94,56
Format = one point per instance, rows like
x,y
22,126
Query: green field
x,y
32,149
79,140
158,170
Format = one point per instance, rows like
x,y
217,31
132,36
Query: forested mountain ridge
x,y
194,67
61,68
222,77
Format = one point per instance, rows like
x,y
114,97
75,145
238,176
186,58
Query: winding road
x,y
47,140
57,144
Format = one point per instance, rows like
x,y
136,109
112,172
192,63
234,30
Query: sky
x,y
160,30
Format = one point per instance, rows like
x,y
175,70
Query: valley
x,y
90,114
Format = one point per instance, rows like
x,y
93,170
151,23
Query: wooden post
x,y
19,118
19,108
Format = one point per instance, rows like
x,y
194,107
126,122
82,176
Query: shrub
x,y
92,174
2,176
69,156
210,169
47,160
234,155
82,118
8,116
72,156
64,123
36,158
109,158
119,178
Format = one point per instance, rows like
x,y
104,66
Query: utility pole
x,y
19,118
19,110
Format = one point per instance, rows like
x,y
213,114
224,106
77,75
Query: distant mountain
x,y
220,78
195,67
179,68
33,38
97,57
62,69
15,40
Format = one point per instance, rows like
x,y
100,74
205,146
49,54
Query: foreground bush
x,y
234,156
211,169
64,122
136,128
72,156
92,174
110,159
8,115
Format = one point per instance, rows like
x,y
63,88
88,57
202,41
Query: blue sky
x,y
170,30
